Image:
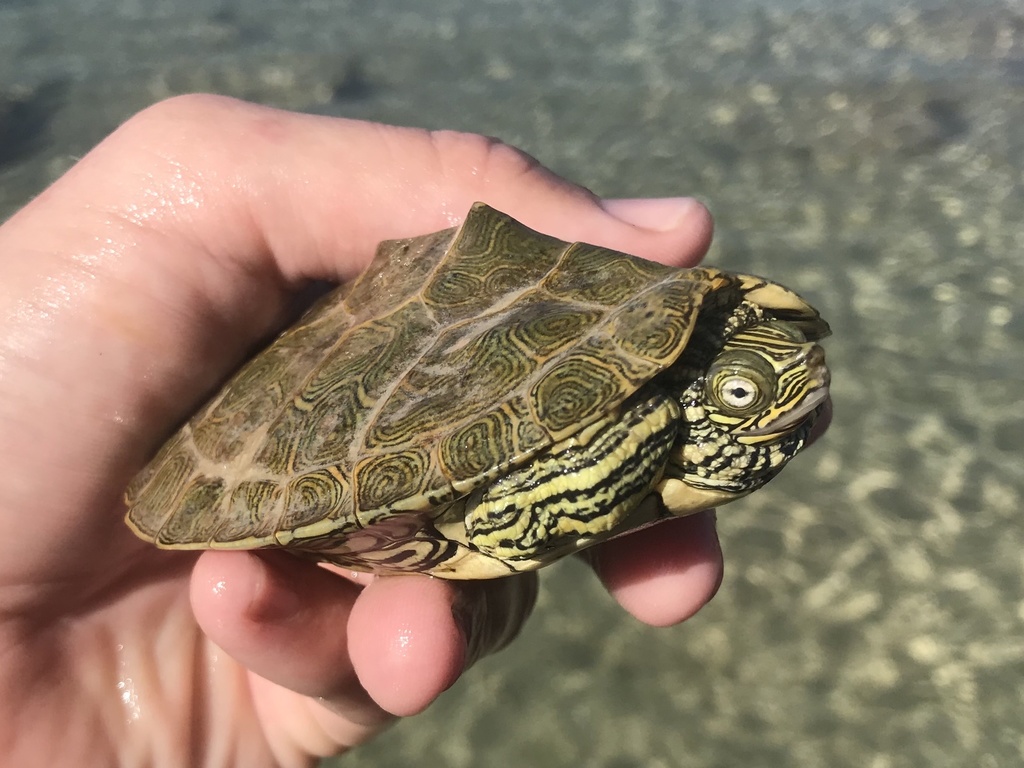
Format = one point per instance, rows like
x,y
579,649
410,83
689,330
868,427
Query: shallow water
x,y
872,612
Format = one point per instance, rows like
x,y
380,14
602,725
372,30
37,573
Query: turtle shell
x,y
454,357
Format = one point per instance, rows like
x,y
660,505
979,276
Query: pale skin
x,y
131,287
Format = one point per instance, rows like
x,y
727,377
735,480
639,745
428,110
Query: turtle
x,y
488,399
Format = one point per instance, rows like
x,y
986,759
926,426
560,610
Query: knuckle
x,y
485,160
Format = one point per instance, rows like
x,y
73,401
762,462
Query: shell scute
x,y
222,432
154,492
386,479
310,498
335,403
589,273
192,521
484,446
656,324
492,257
575,392
252,512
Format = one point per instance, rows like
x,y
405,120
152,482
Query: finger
x,y
411,637
389,648
286,622
665,573
667,215
282,618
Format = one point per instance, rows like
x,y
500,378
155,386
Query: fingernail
x,y
273,599
660,214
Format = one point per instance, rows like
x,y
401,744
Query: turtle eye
x,y
737,392
741,383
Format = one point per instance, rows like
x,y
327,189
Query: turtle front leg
x,y
580,491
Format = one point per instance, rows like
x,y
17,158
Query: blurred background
x,y
867,153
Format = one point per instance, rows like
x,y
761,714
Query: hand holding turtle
x,y
129,289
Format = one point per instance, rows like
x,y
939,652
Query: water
x,y
867,154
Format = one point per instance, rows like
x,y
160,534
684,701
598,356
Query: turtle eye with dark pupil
x,y
740,383
738,392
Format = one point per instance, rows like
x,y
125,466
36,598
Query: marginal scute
x,y
153,494
315,496
191,520
389,478
531,437
252,510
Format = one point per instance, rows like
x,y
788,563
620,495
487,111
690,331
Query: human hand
x,y
128,290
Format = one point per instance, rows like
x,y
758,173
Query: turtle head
x,y
747,413
766,382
